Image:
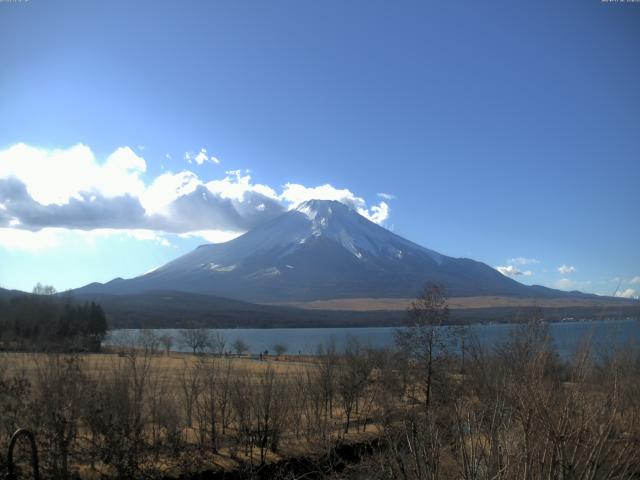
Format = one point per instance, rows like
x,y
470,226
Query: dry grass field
x,y
457,303
513,412
171,365
195,412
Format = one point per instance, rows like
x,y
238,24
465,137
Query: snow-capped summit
x,y
337,221
319,250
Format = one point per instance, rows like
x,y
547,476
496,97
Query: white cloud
x,y
56,176
182,203
566,269
628,293
386,196
40,169
121,174
201,157
635,280
43,191
377,214
235,186
166,188
524,261
295,194
511,271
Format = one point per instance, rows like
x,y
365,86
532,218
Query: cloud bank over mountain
x,y
70,188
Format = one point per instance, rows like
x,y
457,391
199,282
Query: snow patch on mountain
x,y
265,273
336,221
222,268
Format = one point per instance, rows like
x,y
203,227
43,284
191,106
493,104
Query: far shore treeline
x,y
44,320
76,320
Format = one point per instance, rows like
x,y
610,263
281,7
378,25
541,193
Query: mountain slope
x,y
4,293
321,250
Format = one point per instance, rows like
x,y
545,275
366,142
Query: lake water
x,y
567,336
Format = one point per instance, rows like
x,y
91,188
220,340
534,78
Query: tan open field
x,y
158,416
168,375
172,365
455,303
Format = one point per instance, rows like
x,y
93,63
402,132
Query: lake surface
x,y
567,336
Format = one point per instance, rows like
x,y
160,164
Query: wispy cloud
x,y
635,280
386,196
569,284
564,283
524,261
201,157
566,269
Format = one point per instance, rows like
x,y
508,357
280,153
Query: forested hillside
x,y
42,320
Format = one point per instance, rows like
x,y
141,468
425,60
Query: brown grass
x,y
172,365
455,303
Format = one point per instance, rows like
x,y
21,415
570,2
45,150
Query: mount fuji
x,y
321,250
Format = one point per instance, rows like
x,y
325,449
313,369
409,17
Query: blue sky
x,y
506,131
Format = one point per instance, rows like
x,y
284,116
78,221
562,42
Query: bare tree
x,y
197,340
352,378
59,398
223,392
148,341
279,349
240,346
117,413
209,400
167,342
191,386
423,337
41,289
270,402
327,367
243,415
311,401
217,343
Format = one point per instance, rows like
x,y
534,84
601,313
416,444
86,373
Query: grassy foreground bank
x,y
509,411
